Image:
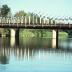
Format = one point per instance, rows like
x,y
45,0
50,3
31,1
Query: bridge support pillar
x,y
55,39
54,34
17,36
12,37
13,32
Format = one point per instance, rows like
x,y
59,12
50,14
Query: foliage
x,y
26,33
20,14
5,10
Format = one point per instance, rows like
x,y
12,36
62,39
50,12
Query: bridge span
x,y
15,24
36,26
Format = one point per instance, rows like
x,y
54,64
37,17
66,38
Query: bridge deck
x,y
36,26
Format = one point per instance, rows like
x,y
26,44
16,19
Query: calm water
x,y
35,55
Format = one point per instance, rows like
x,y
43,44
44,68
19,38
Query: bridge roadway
x,y
35,26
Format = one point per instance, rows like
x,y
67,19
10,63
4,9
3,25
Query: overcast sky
x,y
53,8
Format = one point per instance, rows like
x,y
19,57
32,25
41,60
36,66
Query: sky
x,y
52,8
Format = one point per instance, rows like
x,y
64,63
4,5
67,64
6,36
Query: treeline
x,y
5,11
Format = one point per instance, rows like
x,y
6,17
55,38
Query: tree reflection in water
x,y
26,48
4,59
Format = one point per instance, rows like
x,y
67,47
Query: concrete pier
x,y
13,32
55,39
14,35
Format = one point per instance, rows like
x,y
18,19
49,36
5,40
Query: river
x,y
35,55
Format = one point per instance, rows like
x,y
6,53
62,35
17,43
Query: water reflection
x,y
4,56
65,43
4,59
12,41
28,47
54,43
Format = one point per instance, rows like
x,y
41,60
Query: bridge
x,y
15,23
36,26
28,22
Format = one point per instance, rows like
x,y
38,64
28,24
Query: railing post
x,y
1,20
33,20
9,21
25,21
44,21
36,19
6,20
13,20
48,21
40,20
17,20
22,19
29,20
55,23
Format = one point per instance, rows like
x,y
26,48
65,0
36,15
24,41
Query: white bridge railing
x,y
27,20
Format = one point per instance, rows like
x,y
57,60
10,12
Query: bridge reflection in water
x,y
27,48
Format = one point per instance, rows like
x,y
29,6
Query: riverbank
x,y
47,34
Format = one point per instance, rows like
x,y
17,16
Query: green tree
x,y
5,10
0,11
20,14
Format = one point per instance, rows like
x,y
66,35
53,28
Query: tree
x,y
0,11
20,14
5,10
